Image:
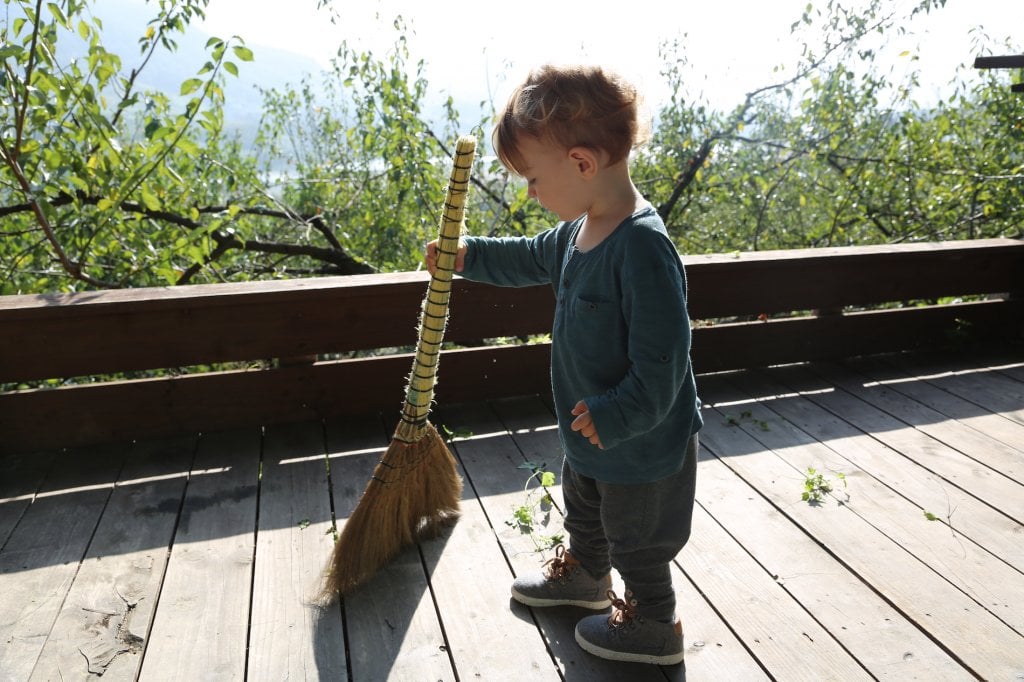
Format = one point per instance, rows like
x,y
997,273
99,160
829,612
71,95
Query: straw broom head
x,y
415,488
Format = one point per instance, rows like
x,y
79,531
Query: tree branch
x,y
335,255
476,181
73,268
19,121
346,264
686,178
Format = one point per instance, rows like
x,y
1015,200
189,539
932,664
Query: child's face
x,y
553,178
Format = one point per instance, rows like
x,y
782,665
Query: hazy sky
x,y
732,45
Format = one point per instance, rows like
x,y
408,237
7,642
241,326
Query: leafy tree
x,y
355,147
66,151
356,151
103,184
833,156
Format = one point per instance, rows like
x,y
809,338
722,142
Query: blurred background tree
x,y
104,183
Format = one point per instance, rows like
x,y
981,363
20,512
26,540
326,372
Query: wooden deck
x,y
192,558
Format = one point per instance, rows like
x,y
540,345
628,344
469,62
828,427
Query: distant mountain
x,y
125,21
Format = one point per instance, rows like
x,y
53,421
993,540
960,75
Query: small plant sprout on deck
x,y
817,486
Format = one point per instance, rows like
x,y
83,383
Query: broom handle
x,y
420,392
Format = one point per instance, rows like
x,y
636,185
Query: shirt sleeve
x,y
658,343
513,261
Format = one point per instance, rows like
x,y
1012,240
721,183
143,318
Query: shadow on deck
x,y
194,557
172,521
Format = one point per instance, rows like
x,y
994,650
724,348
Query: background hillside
x,y
125,21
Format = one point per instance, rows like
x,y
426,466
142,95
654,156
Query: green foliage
x,y
536,507
98,176
355,149
817,486
746,416
105,184
833,156
457,432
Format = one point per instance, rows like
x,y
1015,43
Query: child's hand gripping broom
x,y
415,486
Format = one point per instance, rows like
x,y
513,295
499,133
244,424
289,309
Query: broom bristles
x,y
415,490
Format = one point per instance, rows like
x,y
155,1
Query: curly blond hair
x,y
571,106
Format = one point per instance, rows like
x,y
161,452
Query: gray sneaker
x,y
627,636
563,582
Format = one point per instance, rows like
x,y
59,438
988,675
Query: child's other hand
x,y
584,423
430,257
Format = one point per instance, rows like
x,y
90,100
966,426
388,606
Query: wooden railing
x,y
749,309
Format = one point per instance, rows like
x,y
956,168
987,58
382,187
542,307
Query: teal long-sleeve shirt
x,y
620,340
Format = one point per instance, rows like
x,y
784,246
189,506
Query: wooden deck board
x,y
20,478
291,637
931,411
888,645
916,385
197,557
106,615
912,562
202,619
988,390
918,476
392,626
41,558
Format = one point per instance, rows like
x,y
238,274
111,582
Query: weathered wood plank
x,y
118,331
712,650
104,622
885,643
236,399
1012,61
1010,434
470,578
889,389
199,632
291,637
872,411
874,532
879,412
832,418
990,581
989,390
784,638
493,467
40,559
20,478
1011,366
777,281
795,339
128,329
391,621
133,330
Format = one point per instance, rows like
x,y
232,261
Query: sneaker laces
x,y
624,612
561,566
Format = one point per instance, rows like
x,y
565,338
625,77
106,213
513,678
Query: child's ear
x,y
585,160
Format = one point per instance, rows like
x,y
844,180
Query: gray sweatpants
x,y
635,528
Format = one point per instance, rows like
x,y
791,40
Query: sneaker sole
x,y
612,655
537,601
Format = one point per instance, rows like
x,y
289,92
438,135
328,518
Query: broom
x,y
415,488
